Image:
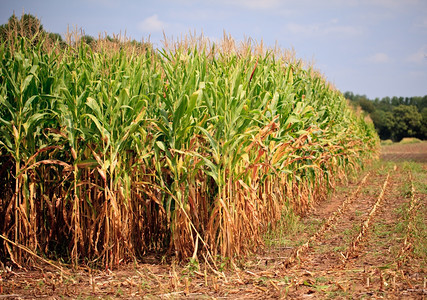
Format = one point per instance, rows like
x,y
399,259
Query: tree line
x,y
395,117
30,27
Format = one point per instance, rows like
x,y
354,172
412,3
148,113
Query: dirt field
x,y
401,152
366,241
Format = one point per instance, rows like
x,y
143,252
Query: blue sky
x,y
372,47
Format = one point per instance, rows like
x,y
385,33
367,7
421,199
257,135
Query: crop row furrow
x,y
407,245
298,252
366,223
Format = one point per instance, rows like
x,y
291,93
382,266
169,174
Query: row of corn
x,y
109,154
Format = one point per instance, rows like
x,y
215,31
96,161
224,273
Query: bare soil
x,y
364,242
402,152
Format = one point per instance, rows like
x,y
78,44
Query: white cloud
x,y
418,57
379,58
152,24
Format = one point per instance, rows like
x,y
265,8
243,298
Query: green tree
x,y
88,39
27,26
385,104
367,105
407,122
384,123
423,129
349,95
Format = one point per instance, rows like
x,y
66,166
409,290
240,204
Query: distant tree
x,y
384,123
56,37
349,95
31,25
386,100
407,122
88,39
142,45
395,101
367,105
3,32
423,129
28,26
395,117
421,102
385,104
112,39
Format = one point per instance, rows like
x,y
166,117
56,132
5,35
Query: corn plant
x,y
118,151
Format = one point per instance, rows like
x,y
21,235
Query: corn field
x,y
194,150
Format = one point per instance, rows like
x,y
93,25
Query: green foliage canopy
x,y
395,118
